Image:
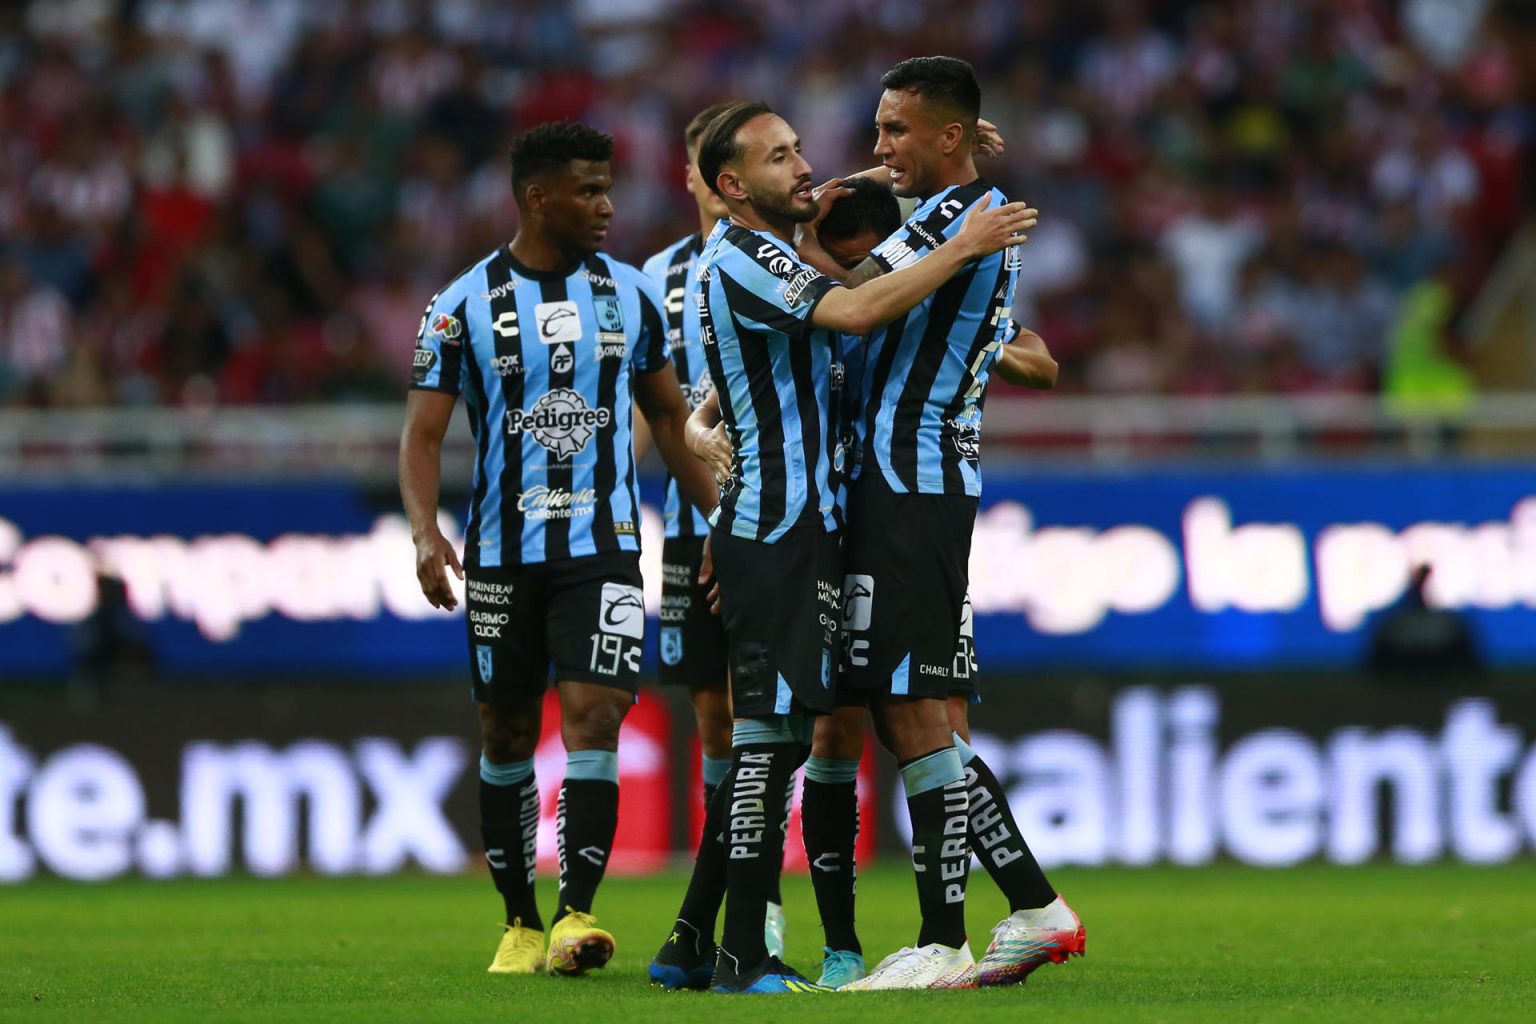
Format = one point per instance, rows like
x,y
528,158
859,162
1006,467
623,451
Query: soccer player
x,y
551,342
766,322
692,639
911,510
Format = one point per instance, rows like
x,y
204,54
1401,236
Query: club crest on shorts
x,y
826,668
483,662
671,645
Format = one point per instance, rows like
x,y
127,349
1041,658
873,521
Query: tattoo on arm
x,y
866,271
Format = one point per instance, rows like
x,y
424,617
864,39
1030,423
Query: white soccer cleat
x,y
1026,939
930,966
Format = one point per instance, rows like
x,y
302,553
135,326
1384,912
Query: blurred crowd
x,y
251,201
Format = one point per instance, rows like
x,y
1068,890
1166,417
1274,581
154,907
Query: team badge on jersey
x,y
610,313
447,327
561,421
671,645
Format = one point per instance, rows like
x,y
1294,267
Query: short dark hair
x,y
552,145
948,81
870,207
696,127
718,146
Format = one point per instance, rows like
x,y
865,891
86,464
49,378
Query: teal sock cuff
x,y
771,729
505,774
932,771
714,769
830,770
596,765
967,755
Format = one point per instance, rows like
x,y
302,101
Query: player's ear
x,y
730,186
535,196
953,138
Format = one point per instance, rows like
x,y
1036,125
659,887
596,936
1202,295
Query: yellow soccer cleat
x,y
521,950
577,945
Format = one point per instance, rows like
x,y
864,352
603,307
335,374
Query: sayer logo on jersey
x,y
558,321
623,611
561,421
447,327
643,840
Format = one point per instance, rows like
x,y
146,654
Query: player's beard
x,y
782,205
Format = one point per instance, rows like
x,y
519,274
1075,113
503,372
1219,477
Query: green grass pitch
x,y
1215,944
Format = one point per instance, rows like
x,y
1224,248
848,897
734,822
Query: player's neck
x,y
751,218
707,224
960,172
536,252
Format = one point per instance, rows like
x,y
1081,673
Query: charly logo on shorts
x,y
622,611
671,645
858,601
483,662
561,421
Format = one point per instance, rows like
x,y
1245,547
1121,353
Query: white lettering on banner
x,y
1161,789
1064,579
85,810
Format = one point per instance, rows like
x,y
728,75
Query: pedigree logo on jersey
x,y
561,421
447,327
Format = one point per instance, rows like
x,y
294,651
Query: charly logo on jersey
x,y
559,322
622,611
858,601
675,300
794,292
447,327
561,421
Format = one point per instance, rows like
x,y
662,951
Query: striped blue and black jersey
x,y
544,362
672,271
925,374
773,371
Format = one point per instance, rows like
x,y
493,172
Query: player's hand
x,y
825,195
989,229
707,578
714,447
433,553
989,142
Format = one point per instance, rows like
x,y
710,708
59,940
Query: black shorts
x,y
906,611
781,605
692,640
586,615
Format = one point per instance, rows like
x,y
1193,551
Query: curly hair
x,y
550,146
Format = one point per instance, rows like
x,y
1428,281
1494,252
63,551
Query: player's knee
x,y
508,736
712,712
839,736
593,724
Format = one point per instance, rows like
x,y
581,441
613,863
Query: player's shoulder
x,y
622,276
741,247
662,263
469,282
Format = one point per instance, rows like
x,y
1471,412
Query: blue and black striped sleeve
x,y
650,352
930,226
786,290
438,361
